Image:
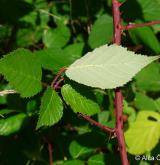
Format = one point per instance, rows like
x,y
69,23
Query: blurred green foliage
x,y
58,32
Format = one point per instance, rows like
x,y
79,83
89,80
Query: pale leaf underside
x,y
108,67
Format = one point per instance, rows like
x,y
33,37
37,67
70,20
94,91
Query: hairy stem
x,y
133,26
118,94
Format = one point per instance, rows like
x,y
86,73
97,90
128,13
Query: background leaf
x,y
144,102
143,135
56,37
73,162
149,78
101,32
145,36
98,159
76,150
12,124
55,58
23,71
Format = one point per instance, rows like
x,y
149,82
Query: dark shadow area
x,y
131,11
12,10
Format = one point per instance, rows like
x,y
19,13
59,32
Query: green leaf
x,y
74,50
150,9
149,78
12,124
144,163
143,135
145,36
129,111
102,31
157,103
55,58
6,112
104,159
98,159
56,37
27,36
78,102
103,117
73,162
144,102
51,109
142,9
23,71
107,67
76,150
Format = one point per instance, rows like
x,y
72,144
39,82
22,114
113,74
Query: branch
x,y
133,26
58,76
50,154
102,127
119,126
116,22
118,94
56,86
6,92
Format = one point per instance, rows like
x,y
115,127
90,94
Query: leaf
x,y
27,36
107,67
103,117
102,31
157,103
12,124
144,102
23,71
149,78
76,150
98,159
74,50
78,102
53,59
73,162
51,109
129,111
142,9
145,36
104,159
6,111
56,37
150,9
143,135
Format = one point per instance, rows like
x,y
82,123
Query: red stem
x,y
103,127
132,26
116,22
56,86
57,77
118,94
50,154
119,126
